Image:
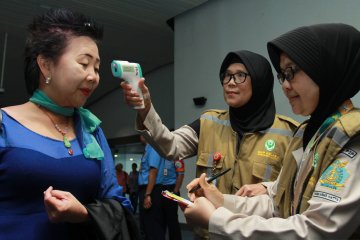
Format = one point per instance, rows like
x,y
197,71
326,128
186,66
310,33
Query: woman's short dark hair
x,y
49,35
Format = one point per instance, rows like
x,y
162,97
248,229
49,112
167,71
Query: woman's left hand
x,y
199,213
64,207
251,190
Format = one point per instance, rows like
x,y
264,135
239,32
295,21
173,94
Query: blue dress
x,y
30,163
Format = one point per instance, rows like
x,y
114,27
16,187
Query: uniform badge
x,y
179,166
216,159
270,145
335,175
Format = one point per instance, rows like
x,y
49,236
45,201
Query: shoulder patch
x,y
179,166
349,152
335,176
288,119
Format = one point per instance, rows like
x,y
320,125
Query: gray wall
x,y
204,35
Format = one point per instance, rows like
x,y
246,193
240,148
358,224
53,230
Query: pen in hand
x,y
197,187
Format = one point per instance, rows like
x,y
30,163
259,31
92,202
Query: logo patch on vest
x,y
335,175
269,145
349,152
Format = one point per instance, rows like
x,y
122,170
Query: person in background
x,y
133,186
248,137
150,178
173,176
316,194
57,171
122,178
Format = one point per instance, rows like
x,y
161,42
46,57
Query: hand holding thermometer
x,y
131,73
197,187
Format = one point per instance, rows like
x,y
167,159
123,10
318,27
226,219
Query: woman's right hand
x,y
133,99
207,190
62,206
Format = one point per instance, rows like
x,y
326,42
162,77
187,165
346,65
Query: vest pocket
x,y
207,160
265,171
206,164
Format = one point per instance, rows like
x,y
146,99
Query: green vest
x,y
324,153
260,155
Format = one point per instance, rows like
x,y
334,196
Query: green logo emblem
x,y
270,145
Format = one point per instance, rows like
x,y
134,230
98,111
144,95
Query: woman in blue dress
x,y
56,169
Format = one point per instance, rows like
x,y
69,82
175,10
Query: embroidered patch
x,y
335,175
327,196
270,145
270,155
179,166
349,152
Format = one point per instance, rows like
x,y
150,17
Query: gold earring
x,y
47,80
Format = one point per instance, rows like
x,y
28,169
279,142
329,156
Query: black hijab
x,y
330,55
259,112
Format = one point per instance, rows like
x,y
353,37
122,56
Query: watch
x,y
147,194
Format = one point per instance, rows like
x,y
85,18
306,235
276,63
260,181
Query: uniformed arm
x,y
333,213
179,170
179,144
203,209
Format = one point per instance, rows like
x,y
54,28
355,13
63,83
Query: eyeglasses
x,y
287,74
238,77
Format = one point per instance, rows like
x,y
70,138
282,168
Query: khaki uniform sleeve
x,y
259,205
333,213
173,145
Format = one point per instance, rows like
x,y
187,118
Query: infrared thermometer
x,y
131,73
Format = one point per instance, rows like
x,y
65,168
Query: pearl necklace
x,y
63,132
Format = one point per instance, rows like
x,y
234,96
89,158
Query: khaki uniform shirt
x,y
259,156
331,210
184,142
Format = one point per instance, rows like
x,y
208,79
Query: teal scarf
x,y
88,122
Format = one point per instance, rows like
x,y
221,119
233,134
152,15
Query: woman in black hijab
x,y
249,137
316,194
258,112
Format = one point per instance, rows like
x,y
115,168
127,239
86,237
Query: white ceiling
x,y
135,30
